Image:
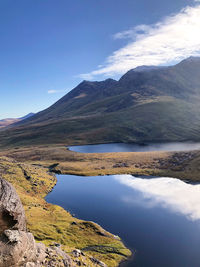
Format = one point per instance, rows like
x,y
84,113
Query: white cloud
x,y
55,91
170,40
132,33
170,193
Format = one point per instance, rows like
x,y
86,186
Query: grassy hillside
x,y
159,104
159,119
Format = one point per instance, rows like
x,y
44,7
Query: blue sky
x,y
48,46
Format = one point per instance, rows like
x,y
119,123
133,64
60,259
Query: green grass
x,y
160,105
50,223
160,121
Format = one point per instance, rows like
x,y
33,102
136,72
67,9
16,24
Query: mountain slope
x,y
10,121
146,104
27,116
6,122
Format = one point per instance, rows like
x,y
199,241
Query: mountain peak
x,y
109,80
191,59
27,116
124,110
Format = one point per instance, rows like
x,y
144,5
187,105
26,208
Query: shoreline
x,y
183,165
58,160
124,261
49,222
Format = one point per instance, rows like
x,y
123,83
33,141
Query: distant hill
x,y
27,116
146,104
10,121
6,122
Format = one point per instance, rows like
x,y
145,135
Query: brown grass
x,y
183,165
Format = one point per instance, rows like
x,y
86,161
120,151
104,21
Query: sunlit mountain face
x,y
158,105
173,194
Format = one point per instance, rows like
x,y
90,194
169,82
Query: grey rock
x,y
17,246
98,262
11,210
76,253
12,235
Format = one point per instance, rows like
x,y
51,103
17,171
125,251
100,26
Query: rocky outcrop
x,y
12,214
17,246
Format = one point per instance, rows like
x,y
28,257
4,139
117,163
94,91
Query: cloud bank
x,y
173,194
170,40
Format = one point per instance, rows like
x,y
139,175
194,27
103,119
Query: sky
x,y
47,47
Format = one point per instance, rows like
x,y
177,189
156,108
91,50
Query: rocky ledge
x,y
17,245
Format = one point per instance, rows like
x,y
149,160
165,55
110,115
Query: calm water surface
x,y
158,218
121,147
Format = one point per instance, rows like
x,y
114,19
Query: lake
x,y
158,218
122,147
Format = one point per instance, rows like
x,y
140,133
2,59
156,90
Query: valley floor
x,y
183,165
30,170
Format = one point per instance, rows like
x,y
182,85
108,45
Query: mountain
x,y
146,105
27,116
10,121
6,122
148,68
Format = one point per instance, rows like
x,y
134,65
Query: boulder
x,y
12,214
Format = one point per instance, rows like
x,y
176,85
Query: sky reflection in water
x,y
173,194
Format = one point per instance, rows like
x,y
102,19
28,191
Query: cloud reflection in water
x,y
170,193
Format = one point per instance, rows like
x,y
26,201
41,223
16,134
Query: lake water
x,y
158,218
121,147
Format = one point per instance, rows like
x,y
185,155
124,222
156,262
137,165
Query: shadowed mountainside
x,y
146,104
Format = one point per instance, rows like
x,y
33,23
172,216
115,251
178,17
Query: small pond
x,y
122,147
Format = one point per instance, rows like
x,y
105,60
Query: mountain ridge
x,y
161,104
